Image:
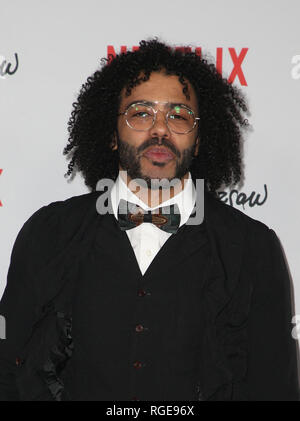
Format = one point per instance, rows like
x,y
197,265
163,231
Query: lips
x,y
159,154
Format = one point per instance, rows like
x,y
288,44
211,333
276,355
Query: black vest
x,y
138,337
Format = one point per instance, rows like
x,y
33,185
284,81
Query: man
x,y
139,302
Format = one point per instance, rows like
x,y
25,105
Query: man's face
x,y
157,153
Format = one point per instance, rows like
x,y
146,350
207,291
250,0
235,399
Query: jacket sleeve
x,y
272,360
17,309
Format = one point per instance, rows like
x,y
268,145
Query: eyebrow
x,y
151,103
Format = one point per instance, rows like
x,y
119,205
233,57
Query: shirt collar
x,y
185,199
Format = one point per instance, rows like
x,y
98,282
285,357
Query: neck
x,y
154,197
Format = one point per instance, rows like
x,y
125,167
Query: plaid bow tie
x,y
131,215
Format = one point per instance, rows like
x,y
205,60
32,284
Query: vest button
x,y
19,361
141,293
139,328
137,364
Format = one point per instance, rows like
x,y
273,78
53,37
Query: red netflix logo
x,y
236,58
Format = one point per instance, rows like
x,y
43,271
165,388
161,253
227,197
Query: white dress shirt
x,y
147,239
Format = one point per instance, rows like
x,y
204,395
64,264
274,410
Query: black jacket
x,y
246,350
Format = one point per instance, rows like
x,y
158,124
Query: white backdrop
x,y
53,46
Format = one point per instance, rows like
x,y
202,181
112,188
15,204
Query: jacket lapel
x,y
226,233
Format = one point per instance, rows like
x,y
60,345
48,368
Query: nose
x,y
160,128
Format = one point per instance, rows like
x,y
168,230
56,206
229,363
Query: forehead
x,y
160,87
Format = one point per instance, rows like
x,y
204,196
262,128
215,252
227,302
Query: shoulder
x,y
262,254
55,224
53,230
76,204
238,220
65,211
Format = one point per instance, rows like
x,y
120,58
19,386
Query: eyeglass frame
x,y
155,113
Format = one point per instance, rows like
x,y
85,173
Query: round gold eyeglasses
x,y
141,116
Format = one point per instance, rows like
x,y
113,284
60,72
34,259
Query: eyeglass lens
x,y
141,117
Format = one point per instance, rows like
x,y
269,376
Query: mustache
x,y
155,142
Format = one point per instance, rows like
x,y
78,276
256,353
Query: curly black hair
x,y
221,106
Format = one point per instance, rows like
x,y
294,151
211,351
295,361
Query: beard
x,y
129,159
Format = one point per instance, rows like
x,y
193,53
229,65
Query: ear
x,y
197,143
114,143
